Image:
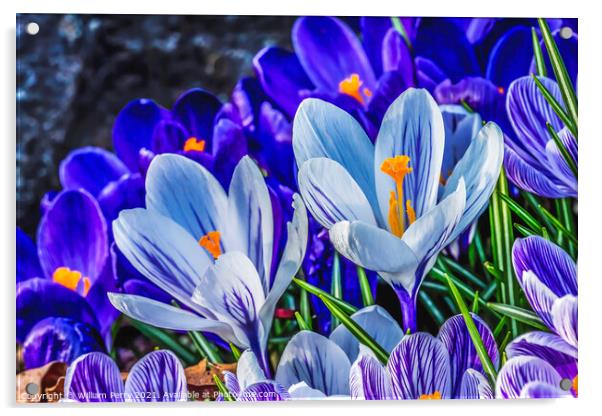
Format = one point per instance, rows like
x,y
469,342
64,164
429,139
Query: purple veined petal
x,y
169,136
282,77
412,126
59,339
39,298
201,209
133,129
509,59
550,263
231,289
73,234
330,52
530,178
301,391
28,265
250,228
441,41
474,385
462,352
519,371
231,383
539,390
549,347
529,111
557,163
248,370
373,31
163,252
196,110
428,74
564,318
94,377
396,56
331,194
460,129
369,380
418,366
315,360
229,147
125,193
265,391
377,322
540,297
157,377
90,168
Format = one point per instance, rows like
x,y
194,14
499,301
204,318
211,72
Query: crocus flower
x,y
548,277
157,377
422,366
384,204
68,272
533,162
209,250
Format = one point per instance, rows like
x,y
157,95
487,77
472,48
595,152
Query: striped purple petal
x,y
462,352
519,371
265,391
94,377
564,318
157,377
418,366
369,380
539,390
474,386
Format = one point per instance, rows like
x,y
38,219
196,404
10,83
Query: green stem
x,y
335,286
431,307
165,340
541,66
367,298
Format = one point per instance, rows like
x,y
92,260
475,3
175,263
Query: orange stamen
x,y
500,90
351,86
210,242
397,168
411,212
435,396
194,144
393,218
575,386
71,279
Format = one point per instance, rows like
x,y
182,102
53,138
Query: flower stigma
x,y
397,168
352,86
71,279
210,242
194,144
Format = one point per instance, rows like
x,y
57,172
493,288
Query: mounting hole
x,y
566,384
566,32
32,28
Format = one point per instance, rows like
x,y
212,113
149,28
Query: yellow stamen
x,y
397,168
575,388
71,279
194,144
435,396
210,242
351,86
411,212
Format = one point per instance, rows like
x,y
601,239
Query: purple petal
x,y
478,28
368,380
557,162
396,56
428,73
28,265
146,289
229,146
59,339
265,391
282,77
419,365
231,383
549,347
441,41
373,31
133,129
41,298
330,52
126,193
390,85
169,136
474,386
564,317
99,302
462,352
73,234
539,390
550,263
90,168
509,58
196,110
157,377
519,371
94,377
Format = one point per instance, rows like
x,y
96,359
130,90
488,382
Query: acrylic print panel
x,y
280,208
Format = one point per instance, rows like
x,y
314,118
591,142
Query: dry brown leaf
x,y
200,379
43,384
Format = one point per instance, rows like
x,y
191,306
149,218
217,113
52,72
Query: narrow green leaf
x,y
463,272
356,330
493,270
439,275
562,148
346,307
526,232
522,213
533,201
505,341
562,76
558,109
520,314
235,351
398,25
566,216
203,346
165,340
500,325
489,291
475,303
367,298
475,336
540,64
335,285
430,306
559,225
301,322
221,387
435,286
304,307
467,106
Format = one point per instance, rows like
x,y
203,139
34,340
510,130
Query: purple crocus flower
x,y
422,366
66,276
533,162
548,276
157,377
212,251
